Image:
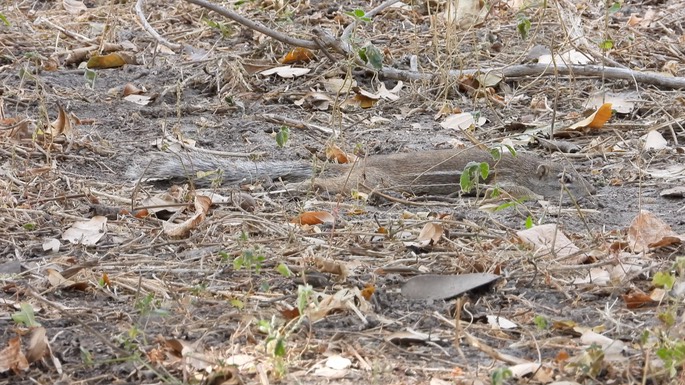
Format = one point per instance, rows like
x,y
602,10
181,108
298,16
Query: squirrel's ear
x,y
542,170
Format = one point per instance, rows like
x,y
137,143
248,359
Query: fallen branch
x,y
525,70
343,47
257,26
147,27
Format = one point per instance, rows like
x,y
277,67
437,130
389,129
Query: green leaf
x,y
279,349
282,136
668,318
224,256
90,77
236,303
4,20
500,375
29,226
541,322
374,56
484,170
606,45
615,8
238,263
223,28
529,222
362,55
264,326
470,176
496,154
25,316
523,26
359,15
303,294
504,205
283,270
663,280
465,182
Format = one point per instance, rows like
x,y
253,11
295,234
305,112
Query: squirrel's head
x,y
552,178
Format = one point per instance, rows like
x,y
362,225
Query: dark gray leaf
x,y
432,287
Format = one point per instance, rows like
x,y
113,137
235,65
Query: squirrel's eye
x,y
565,178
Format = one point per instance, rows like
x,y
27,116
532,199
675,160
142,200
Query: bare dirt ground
x,y
128,302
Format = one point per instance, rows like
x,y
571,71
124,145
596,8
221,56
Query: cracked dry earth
x,y
215,306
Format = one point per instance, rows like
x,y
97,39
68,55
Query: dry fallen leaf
x,y
38,345
543,237
436,287
316,100
314,218
74,7
654,141
12,358
61,125
368,291
287,72
141,100
596,120
202,205
298,55
431,231
86,233
131,89
112,60
339,86
621,102
647,231
638,299
333,152
460,121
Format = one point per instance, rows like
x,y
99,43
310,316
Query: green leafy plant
x,y
529,222
90,76
283,270
277,336
606,45
4,20
146,304
225,257
25,316
86,357
224,28
472,174
672,352
615,7
236,303
523,26
199,289
282,136
500,375
664,280
507,205
359,15
541,322
249,260
370,54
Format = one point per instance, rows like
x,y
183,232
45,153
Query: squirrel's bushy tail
x,y
205,169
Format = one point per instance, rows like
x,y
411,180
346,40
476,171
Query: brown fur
x,y
434,172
